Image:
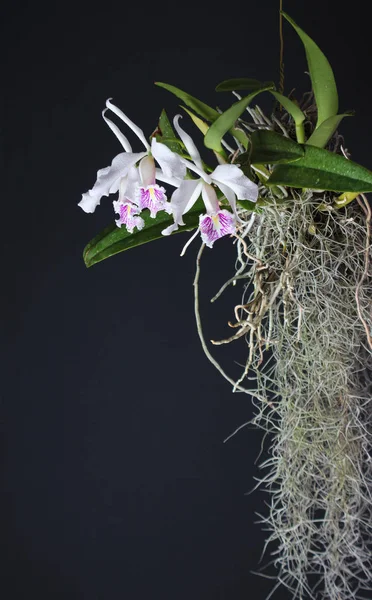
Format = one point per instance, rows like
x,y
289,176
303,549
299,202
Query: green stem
x,y
300,133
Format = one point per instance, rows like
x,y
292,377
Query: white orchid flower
x,y
228,178
128,210
137,187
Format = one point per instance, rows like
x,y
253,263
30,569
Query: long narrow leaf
x,y
205,111
253,84
323,170
113,239
322,78
201,125
295,112
248,85
196,105
226,121
321,136
272,148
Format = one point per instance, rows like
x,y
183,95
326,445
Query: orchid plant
x,y
134,176
284,188
261,161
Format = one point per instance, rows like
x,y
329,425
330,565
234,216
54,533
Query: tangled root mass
x,y
306,316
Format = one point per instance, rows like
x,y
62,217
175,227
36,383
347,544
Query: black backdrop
x,y
116,482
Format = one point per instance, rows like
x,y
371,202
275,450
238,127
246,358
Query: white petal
x,y
189,143
184,198
170,162
196,170
115,129
137,130
88,203
108,180
129,186
175,181
235,179
230,196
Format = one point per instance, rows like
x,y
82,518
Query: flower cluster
x,y
135,176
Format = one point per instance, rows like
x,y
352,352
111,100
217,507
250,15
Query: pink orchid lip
x,y
215,225
128,215
153,197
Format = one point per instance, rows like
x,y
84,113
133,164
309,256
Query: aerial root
x,y
306,316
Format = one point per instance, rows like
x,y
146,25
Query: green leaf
x,y
295,112
321,136
203,110
226,121
253,84
244,163
248,205
166,135
269,147
231,85
196,105
322,78
165,126
323,170
171,141
201,125
115,239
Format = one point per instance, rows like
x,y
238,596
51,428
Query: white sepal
x,y
189,143
137,130
115,129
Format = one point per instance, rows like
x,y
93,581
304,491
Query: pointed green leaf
x,y
269,147
252,84
243,83
321,136
165,126
322,78
227,120
115,239
323,170
173,143
295,112
201,125
166,135
203,110
198,106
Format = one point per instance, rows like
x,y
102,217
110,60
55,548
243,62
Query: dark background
x,y
115,479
